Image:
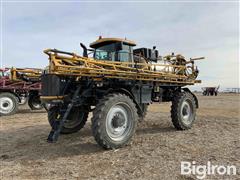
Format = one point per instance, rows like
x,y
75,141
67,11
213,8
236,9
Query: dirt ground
x,y
155,152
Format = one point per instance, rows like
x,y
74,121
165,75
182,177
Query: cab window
x,y
114,52
105,52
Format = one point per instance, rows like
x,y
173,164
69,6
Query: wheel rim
x,y
6,105
119,121
187,112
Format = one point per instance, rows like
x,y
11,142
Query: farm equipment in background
x,y
210,91
232,90
18,86
117,84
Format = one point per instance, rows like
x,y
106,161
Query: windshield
x,y
103,55
106,52
114,52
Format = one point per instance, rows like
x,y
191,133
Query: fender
x,y
128,93
194,96
122,90
15,94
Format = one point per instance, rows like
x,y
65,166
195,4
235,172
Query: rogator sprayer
x,y
116,84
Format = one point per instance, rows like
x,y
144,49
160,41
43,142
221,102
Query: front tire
x,y
114,121
183,110
8,104
75,121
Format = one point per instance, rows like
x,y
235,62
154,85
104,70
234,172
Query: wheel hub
x,y
5,104
118,120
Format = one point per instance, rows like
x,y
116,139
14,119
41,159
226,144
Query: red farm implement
x,y
19,86
210,91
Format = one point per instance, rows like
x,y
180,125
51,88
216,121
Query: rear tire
x,y
8,104
75,121
114,121
34,102
183,111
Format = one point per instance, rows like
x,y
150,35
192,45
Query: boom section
x,y
71,64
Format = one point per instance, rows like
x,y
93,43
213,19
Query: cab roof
x,y
103,41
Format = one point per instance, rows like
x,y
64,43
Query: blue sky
x,y
192,29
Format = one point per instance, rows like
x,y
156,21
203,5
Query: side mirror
x,y
85,54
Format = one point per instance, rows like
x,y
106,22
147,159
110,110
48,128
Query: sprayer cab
x,y
119,50
113,49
